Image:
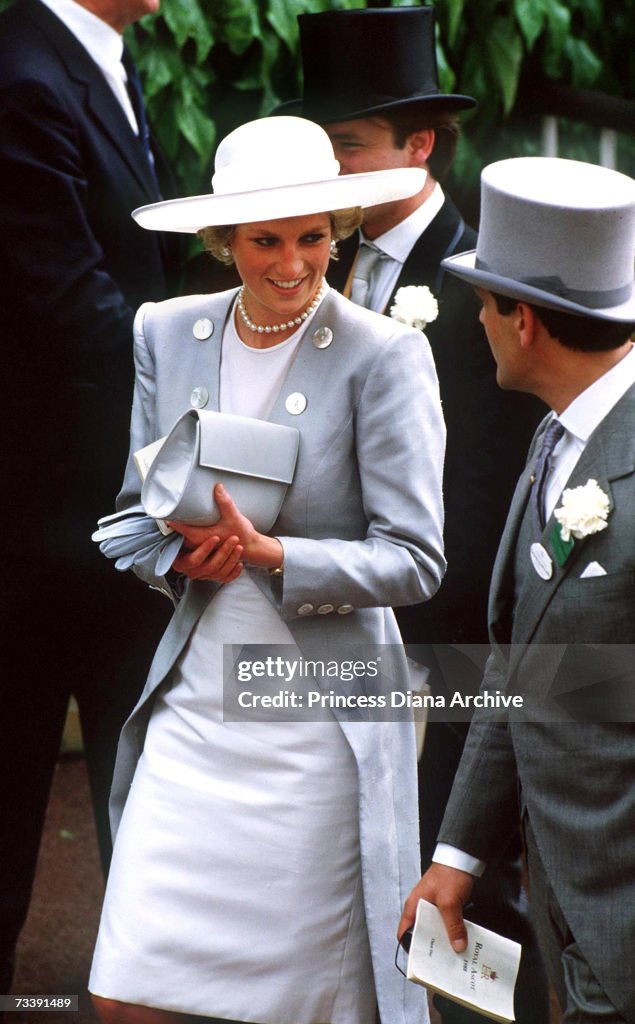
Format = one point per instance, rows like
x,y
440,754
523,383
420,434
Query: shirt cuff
x,y
453,858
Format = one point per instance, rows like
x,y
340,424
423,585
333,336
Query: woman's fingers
x,y
194,535
192,558
212,560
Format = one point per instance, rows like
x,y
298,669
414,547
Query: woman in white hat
x,y
260,866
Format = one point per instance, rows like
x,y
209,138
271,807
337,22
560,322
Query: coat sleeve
x,y
482,812
399,444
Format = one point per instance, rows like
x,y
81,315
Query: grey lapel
x,y
311,370
203,368
502,584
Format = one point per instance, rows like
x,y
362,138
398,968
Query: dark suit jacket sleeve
x,y
43,208
482,812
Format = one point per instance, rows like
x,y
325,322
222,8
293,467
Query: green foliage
x,y
208,65
500,50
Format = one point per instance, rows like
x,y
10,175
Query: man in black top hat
x,y
370,79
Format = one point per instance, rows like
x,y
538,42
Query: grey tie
x,y
367,258
552,435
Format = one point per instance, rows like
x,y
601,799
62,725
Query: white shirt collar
x,y
587,411
104,44
399,241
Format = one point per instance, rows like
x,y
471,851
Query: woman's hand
x,y
212,550
209,558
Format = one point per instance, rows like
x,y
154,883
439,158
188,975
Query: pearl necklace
x,y
274,329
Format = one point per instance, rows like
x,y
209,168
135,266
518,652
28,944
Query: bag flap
x,y
240,444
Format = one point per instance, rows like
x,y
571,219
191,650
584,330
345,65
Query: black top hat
x,y
365,62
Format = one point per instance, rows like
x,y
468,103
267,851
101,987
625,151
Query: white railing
x,y
607,142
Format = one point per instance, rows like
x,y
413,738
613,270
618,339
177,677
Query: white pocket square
x,y
592,569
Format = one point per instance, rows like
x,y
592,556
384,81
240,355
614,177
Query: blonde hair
x,y
216,239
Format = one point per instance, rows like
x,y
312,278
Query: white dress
x,y
235,888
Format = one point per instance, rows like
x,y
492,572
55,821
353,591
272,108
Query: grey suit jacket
x,y
361,527
576,778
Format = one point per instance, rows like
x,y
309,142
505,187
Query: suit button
x,y
325,609
295,403
323,337
199,398
305,609
344,609
203,329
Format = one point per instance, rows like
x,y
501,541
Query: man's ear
x,y
419,146
526,323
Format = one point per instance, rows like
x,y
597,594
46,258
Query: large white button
x,y
305,609
325,609
295,403
323,337
199,398
203,329
344,609
541,561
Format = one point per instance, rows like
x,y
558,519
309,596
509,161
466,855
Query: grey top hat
x,y
360,63
556,233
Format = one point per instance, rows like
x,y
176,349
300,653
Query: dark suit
x,y
576,778
488,433
75,267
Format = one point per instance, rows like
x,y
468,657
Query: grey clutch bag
x,y
254,459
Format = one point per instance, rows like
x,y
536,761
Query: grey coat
x,y
361,527
576,778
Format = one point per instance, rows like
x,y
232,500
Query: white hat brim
x,y
348,190
464,266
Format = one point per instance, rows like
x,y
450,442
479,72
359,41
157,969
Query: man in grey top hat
x,y
554,272
378,97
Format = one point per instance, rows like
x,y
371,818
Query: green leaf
x,y
504,50
282,16
447,78
561,548
558,28
197,127
531,17
473,73
454,9
186,20
159,66
239,24
584,63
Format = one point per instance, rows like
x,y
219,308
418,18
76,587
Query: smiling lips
x,y
288,284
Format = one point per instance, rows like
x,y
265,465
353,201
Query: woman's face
x,y
281,263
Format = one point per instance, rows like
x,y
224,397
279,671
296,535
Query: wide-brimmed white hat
x,y
556,233
278,167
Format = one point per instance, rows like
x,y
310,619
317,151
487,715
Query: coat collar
x,y
441,238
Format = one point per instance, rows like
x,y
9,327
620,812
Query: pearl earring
x,y
334,254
